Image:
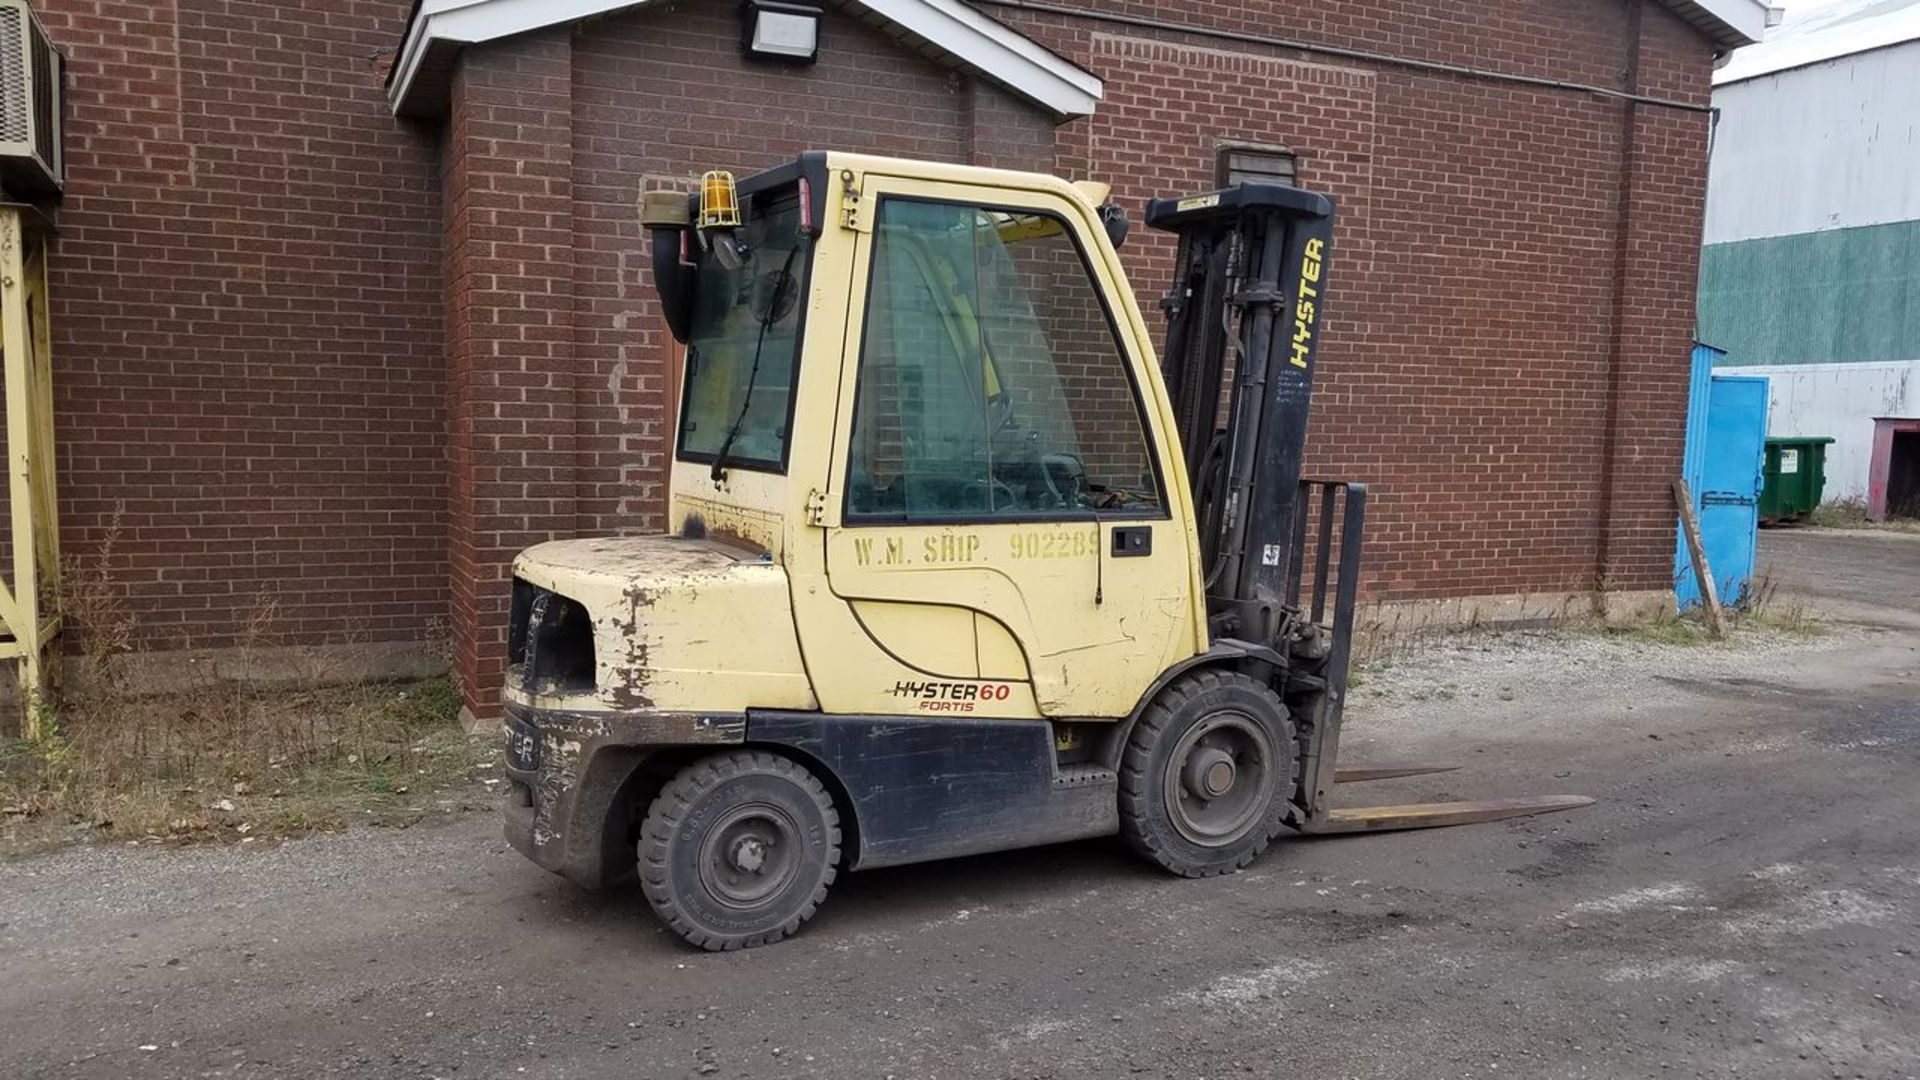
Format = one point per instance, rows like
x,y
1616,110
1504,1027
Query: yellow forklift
x,y
952,565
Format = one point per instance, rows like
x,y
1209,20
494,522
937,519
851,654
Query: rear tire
x,y
739,849
1207,774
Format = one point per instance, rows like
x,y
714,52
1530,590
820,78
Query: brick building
x,y
351,302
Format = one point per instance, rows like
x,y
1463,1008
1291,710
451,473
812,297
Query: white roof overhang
x,y
948,30
1730,23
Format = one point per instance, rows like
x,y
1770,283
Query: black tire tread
x,y
669,809
1136,788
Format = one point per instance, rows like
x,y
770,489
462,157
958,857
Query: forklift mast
x,y
1243,329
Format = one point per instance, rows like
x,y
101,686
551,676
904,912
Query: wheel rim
x,y
1219,779
750,855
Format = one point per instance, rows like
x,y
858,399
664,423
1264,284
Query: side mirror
x,y
1115,219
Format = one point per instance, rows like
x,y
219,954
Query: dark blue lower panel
x,y
932,789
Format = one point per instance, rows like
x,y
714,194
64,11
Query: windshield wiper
x,y
767,319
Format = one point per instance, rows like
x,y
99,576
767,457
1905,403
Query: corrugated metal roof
x,y
1814,31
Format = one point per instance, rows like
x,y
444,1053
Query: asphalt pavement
x,y
1743,901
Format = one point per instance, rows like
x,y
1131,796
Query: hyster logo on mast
x,y
1306,312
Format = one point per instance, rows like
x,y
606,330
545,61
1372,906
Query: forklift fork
x,y
1320,770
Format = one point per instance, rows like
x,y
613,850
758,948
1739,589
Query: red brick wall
x,y
1470,369
346,361
666,95
1571,40
560,400
1665,196
511,355
247,338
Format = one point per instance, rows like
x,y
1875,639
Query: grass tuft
x,y
1851,513
1763,610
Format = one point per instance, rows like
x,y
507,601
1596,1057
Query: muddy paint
x,y
753,530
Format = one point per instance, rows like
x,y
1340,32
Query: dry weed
x,y
226,757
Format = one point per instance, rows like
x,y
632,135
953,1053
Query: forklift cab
x,y
993,532
922,400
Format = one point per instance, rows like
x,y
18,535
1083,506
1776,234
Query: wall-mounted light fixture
x,y
771,30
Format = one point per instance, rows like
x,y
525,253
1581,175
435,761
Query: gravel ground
x,y
1847,571
1744,901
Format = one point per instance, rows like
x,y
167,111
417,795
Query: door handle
x,y
1132,541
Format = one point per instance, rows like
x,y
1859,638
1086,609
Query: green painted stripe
x,y
1842,296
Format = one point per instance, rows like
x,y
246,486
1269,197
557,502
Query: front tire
x,y
739,849
1208,773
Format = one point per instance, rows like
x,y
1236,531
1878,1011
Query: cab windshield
x,y
744,340
993,383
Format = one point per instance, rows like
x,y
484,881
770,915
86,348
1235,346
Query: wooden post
x,y
30,602
1697,551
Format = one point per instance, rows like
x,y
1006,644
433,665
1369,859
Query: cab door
x,y
997,518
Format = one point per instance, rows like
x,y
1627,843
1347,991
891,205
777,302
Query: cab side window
x,y
991,383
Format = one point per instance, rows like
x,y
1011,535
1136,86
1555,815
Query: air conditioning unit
x,y
32,103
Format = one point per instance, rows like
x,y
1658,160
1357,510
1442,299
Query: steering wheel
x,y
999,412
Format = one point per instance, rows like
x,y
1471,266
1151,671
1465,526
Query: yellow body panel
x,y
1000,654
1080,653
1020,619
921,635
679,626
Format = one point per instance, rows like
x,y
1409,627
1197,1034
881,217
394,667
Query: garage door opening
x,y
1903,476
1893,479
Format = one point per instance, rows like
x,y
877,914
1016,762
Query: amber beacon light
x,y
719,201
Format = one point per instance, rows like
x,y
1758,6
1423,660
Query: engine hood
x,y
683,626
624,562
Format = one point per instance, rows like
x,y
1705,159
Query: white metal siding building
x,y
1811,268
